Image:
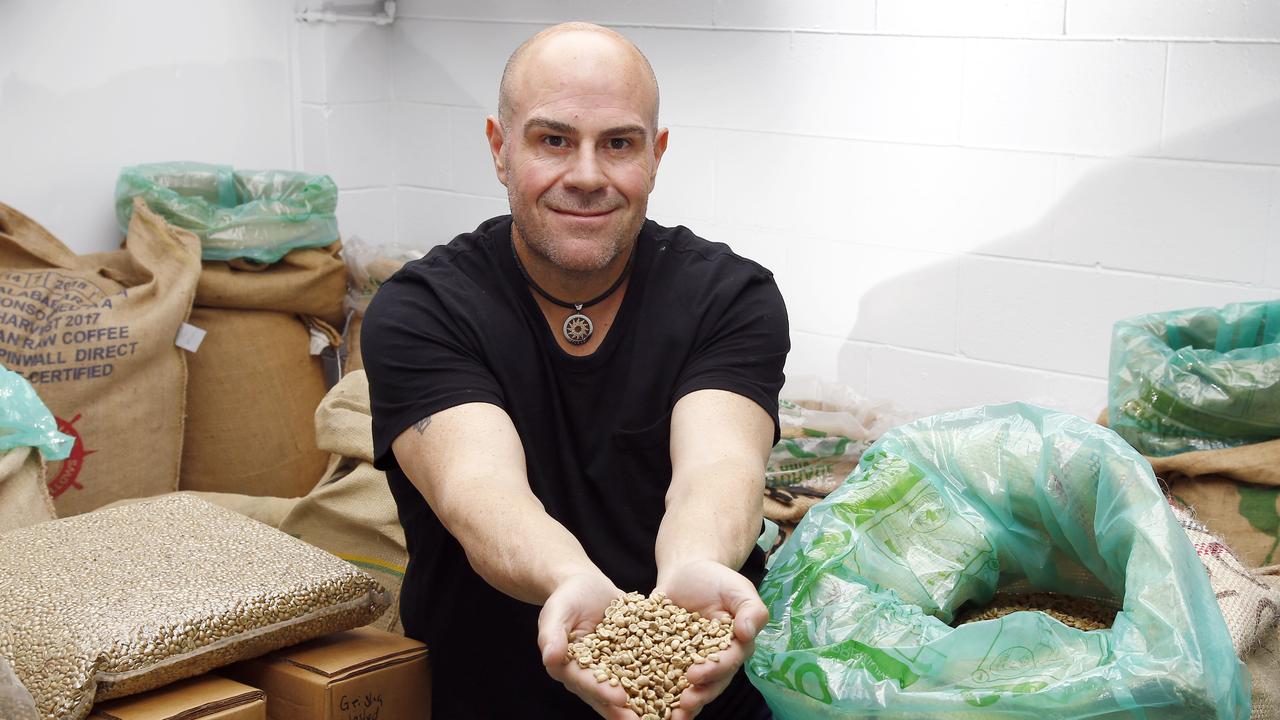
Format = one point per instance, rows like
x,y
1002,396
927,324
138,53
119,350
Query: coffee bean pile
x,y
646,645
1079,613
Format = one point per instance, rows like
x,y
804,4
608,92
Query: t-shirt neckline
x,y
621,322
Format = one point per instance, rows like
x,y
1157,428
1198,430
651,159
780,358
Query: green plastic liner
x,y
946,510
1197,379
25,421
259,215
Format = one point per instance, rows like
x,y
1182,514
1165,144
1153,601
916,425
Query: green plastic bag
x,y
1198,379
26,422
945,510
259,215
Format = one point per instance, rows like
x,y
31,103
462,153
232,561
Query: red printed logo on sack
x,y
71,467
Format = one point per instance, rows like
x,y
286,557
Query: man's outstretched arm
x,y
469,465
720,442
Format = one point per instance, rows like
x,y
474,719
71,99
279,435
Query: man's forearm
x,y
468,464
712,515
515,545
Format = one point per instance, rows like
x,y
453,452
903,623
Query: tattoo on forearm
x,y
421,425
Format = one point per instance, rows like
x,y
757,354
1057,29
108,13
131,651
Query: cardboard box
x,y
207,697
362,674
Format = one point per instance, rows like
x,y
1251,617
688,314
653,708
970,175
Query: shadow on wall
x,y
1033,309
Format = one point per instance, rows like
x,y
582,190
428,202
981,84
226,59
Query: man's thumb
x,y
749,614
552,639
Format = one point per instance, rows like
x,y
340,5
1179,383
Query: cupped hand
x,y
574,609
715,591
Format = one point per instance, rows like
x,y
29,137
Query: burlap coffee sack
x,y
352,513
311,281
1264,663
1235,491
1247,516
1250,607
100,350
351,341
24,496
251,400
254,384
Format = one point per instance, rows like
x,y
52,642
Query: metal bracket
x,y
387,16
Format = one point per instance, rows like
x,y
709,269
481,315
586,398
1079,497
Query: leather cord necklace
x,y
577,327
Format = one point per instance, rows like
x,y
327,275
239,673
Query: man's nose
x,y
585,174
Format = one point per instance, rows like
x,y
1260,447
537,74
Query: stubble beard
x,y
540,240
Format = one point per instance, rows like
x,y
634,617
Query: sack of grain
x,y
28,436
943,513
351,513
254,384
119,601
255,214
100,350
1196,379
368,266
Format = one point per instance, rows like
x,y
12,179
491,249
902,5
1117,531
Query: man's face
x,y
579,153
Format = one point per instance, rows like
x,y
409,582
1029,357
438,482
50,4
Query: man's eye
x,y
619,143
554,141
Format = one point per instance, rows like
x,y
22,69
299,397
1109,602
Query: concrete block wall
x,y
87,88
958,199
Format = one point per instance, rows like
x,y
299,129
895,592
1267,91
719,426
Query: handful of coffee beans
x,y
646,645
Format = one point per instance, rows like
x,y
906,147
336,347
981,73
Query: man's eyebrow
x,y
567,129
625,130
548,124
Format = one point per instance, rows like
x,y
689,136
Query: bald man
x,y
573,401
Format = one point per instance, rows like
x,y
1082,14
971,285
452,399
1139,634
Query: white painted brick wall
x,y
1191,19
995,18
1083,97
368,214
1223,102
958,199
347,126
88,88
424,150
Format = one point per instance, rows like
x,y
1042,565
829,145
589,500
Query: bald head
x,y
571,46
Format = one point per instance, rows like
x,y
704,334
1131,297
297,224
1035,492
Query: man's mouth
x,y
583,213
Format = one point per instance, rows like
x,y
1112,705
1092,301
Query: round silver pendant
x,y
577,328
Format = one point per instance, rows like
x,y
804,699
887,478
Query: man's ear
x,y
659,148
493,131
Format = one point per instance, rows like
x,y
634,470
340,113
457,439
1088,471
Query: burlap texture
x,y
310,281
24,497
1235,491
351,513
251,398
1264,663
1250,607
99,348
351,341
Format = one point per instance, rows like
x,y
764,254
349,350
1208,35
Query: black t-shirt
x,y
460,326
